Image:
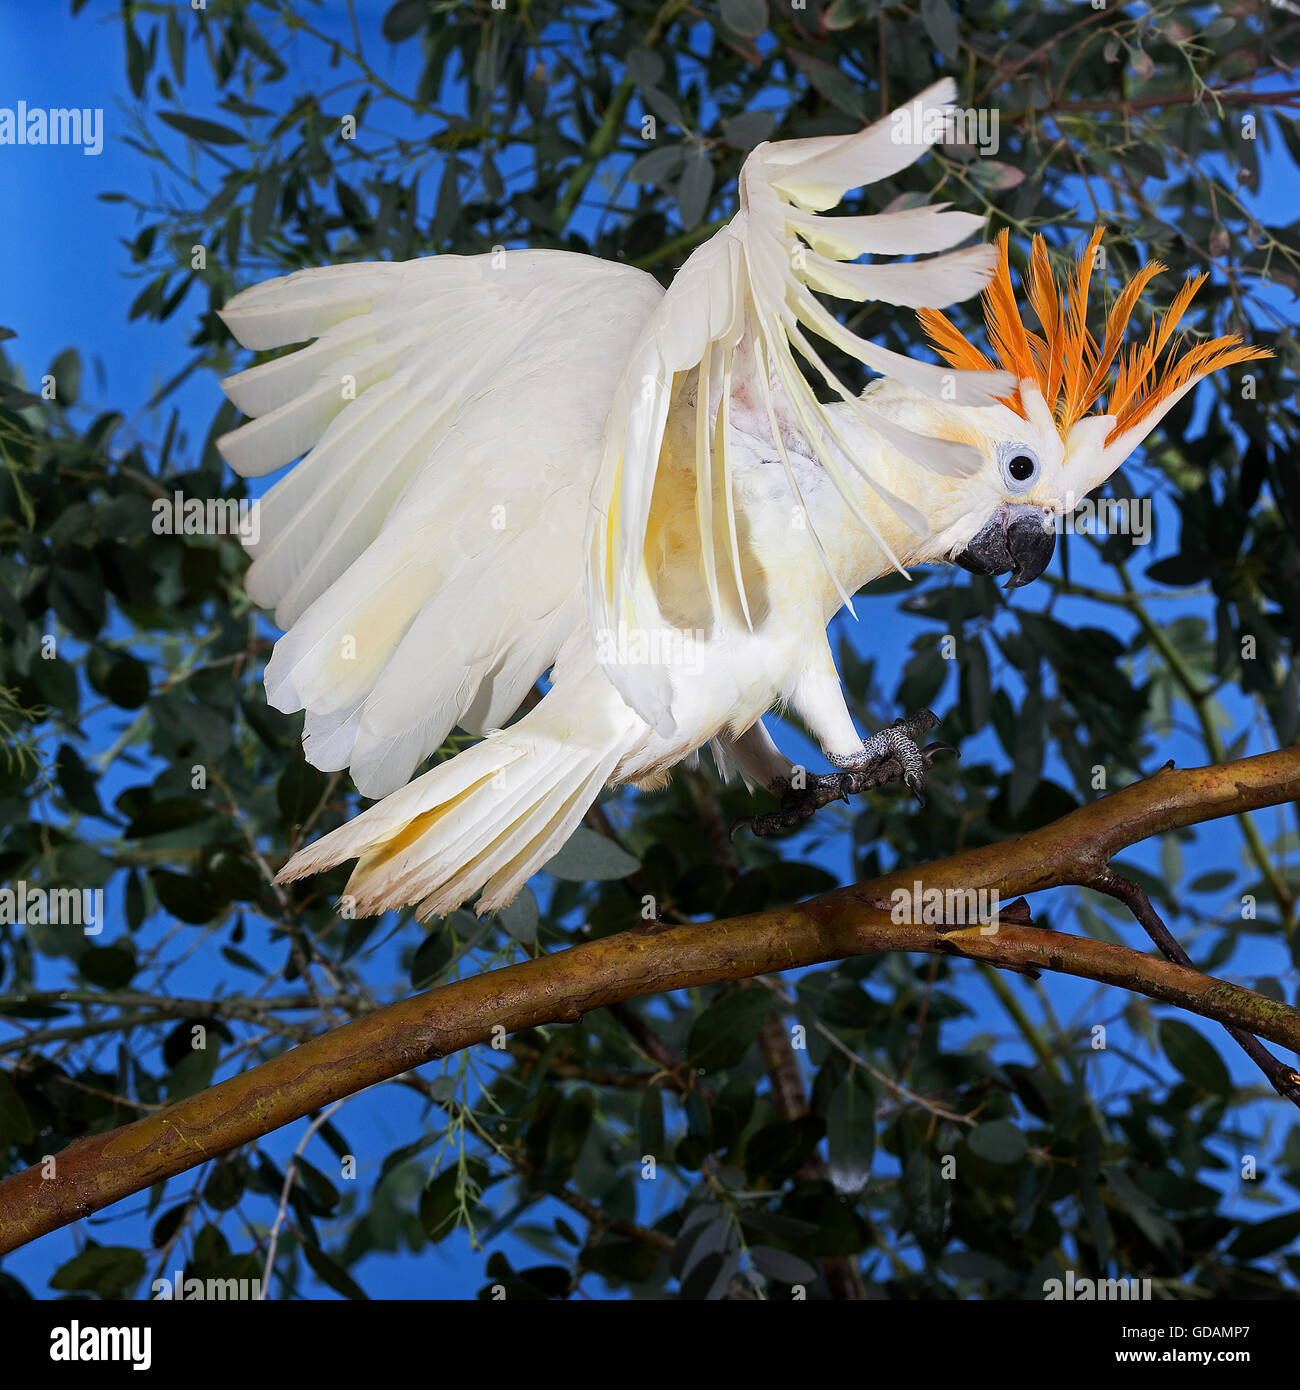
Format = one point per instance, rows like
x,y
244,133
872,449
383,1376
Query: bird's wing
x,y
423,557
753,281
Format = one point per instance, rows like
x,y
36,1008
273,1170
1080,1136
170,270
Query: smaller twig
x,y
900,1092
1285,1080
283,1210
187,1215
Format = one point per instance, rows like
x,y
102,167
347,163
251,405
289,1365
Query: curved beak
x,y
1017,541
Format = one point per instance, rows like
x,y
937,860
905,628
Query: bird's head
x,y
1044,448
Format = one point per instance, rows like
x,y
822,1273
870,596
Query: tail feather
x,y
488,819
524,846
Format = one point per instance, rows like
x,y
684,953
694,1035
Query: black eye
x,y
1021,467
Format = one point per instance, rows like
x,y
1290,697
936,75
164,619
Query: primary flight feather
x,y
537,461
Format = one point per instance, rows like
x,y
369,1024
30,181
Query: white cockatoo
x,y
535,462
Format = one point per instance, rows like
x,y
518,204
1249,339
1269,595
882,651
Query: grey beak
x,y
1017,541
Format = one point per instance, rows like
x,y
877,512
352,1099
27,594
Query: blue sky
x,y
67,282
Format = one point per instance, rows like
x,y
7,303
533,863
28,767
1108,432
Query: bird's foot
x,y
897,744
892,755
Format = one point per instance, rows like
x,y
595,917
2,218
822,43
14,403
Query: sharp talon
x,y
736,825
932,750
915,785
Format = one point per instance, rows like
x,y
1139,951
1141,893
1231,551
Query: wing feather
x,y
449,416
753,282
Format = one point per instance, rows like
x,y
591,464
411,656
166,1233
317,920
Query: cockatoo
x,y
537,461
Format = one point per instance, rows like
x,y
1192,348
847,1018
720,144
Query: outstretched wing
x,y
732,316
422,558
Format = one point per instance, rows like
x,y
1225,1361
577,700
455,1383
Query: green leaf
x,y
844,14
748,129
998,1141
1179,570
779,1150
657,165
330,1272
162,817
665,108
694,187
109,967
620,1261
66,371
1264,1237
76,782
1194,1056
441,1200
833,83
299,791
568,1132
1027,767
925,1199
722,1034
176,47
432,957
851,1132
941,25
1160,1232
748,17
650,1122
781,1266
645,67
405,19
16,1126
976,690
519,918
995,175
111,1271
137,62
194,1070
265,199
208,132
184,898
77,596
122,679
587,857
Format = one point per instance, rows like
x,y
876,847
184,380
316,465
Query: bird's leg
x,y
893,754
898,742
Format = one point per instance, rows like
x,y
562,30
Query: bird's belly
x,y
720,683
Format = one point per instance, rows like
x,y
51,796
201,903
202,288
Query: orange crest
x,y
1064,359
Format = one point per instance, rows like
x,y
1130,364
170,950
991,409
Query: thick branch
x,y
101,1169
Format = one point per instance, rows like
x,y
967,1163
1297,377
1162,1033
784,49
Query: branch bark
x,y
101,1169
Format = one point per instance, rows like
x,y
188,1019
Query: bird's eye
x,y
1020,469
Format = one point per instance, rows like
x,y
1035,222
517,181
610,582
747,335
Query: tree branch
x,y
103,1168
1284,1079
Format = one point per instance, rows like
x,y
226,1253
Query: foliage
x,y
145,761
